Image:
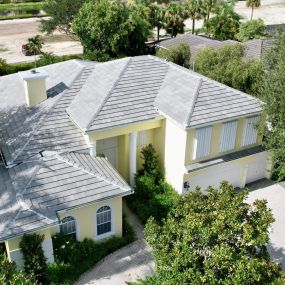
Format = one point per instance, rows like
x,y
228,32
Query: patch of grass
x,y
21,6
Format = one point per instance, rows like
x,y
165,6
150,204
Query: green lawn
x,y
21,6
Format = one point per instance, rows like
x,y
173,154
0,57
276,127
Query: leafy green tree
x,y
229,66
253,4
34,258
194,10
10,276
139,30
174,18
108,28
61,14
179,54
213,239
225,23
254,29
274,96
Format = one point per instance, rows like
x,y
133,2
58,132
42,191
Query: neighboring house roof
x,y
55,182
254,48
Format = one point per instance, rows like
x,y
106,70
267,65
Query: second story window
x,y
202,144
228,136
250,132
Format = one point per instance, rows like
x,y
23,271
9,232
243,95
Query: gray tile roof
x,y
92,96
254,48
36,184
147,87
119,92
26,131
57,181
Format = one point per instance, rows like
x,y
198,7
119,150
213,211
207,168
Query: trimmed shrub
x,y
10,276
153,196
34,258
74,258
3,67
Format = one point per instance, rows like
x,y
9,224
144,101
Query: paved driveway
x,y
275,195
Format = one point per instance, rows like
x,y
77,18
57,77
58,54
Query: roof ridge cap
x,y
226,86
109,93
77,166
196,93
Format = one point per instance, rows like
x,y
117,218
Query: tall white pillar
x,y
92,148
133,157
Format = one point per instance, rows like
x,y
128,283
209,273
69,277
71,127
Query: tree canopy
x,y
229,66
274,96
215,238
225,23
254,29
61,14
179,54
110,29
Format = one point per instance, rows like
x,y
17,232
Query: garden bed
x,y
74,258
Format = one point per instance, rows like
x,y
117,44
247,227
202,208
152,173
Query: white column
x,y
92,148
133,157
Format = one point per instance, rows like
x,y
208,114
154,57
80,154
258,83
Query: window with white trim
x,y
202,144
104,221
228,136
249,132
68,226
142,138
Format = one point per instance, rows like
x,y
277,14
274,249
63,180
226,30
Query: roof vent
x,y
35,86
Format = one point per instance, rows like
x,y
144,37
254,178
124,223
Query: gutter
x,y
131,191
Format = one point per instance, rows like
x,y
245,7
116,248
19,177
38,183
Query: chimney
x,y
35,86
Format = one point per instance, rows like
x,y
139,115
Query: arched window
x,y
68,226
103,217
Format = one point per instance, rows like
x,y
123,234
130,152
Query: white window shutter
x,y
142,138
228,136
203,142
250,133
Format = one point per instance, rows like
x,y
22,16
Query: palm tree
x,y
195,11
156,17
253,4
208,6
174,18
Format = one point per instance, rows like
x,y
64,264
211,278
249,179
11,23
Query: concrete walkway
x,y
127,264
274,193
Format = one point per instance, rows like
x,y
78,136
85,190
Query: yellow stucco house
x,y
71,134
